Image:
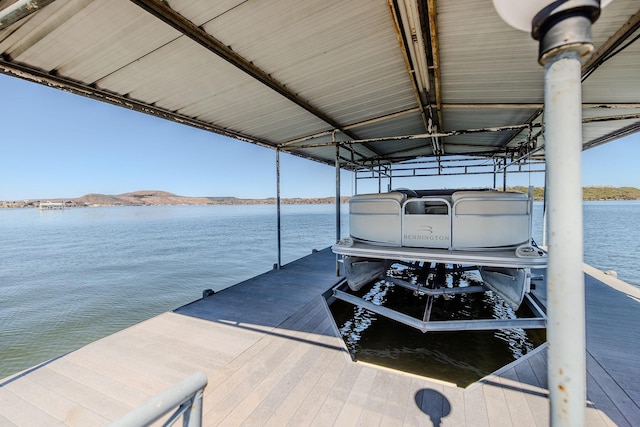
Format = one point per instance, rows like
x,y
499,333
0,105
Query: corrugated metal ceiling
x,y
298,75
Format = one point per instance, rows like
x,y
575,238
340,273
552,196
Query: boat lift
x,y
539,321
439,258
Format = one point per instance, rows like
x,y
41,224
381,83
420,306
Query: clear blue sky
x,y
55,144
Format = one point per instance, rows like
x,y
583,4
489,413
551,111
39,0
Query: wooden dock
x,y
273,357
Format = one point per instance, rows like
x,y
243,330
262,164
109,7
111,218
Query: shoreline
x,y
163,198
241,202
185,201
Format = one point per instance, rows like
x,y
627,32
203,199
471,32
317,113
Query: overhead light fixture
x,y
558,24
410,20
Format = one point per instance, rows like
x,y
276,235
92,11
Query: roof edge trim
x,y
56,82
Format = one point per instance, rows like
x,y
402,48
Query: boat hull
x,y
503,271
360,271
511,284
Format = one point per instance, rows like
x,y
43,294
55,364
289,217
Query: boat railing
x,y
426,222
185,397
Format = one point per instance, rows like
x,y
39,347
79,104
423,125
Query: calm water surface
x,y
70,277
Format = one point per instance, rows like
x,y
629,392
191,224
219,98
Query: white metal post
x,y
563,29
565,277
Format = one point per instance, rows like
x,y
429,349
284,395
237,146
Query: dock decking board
x,y
613,343
272,355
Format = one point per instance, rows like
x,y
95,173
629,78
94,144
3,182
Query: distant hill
x,y
592,193
610,193
141,198
155,197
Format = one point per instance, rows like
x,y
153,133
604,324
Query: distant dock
x,y
51,206
273,356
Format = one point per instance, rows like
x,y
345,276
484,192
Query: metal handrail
x,y
185,395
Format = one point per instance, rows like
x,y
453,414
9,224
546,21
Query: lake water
x,y
70,277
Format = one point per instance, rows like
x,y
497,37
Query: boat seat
x,y
467,219
437,210
428,205
436,206
490,203
489,219
395,195
377,217
414,206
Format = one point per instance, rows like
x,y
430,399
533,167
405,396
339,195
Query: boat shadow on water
x,y
459,357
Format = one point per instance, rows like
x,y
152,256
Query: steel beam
x,y
441,325
19,10
89,91
414,56
604,52
162,11
627,130
592,63
423,290
432,16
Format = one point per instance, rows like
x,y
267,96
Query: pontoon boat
x,y
427,230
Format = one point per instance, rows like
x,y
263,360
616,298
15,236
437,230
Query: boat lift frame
x,y
539,321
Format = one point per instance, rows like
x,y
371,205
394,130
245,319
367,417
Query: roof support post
x,y
563,29
565,278
495,174
564,32
355,182
504,175
278,208
338,228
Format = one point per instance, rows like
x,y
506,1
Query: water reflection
x,y
460,357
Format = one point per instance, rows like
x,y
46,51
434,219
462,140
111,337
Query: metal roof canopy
x,y
390,80
363,84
